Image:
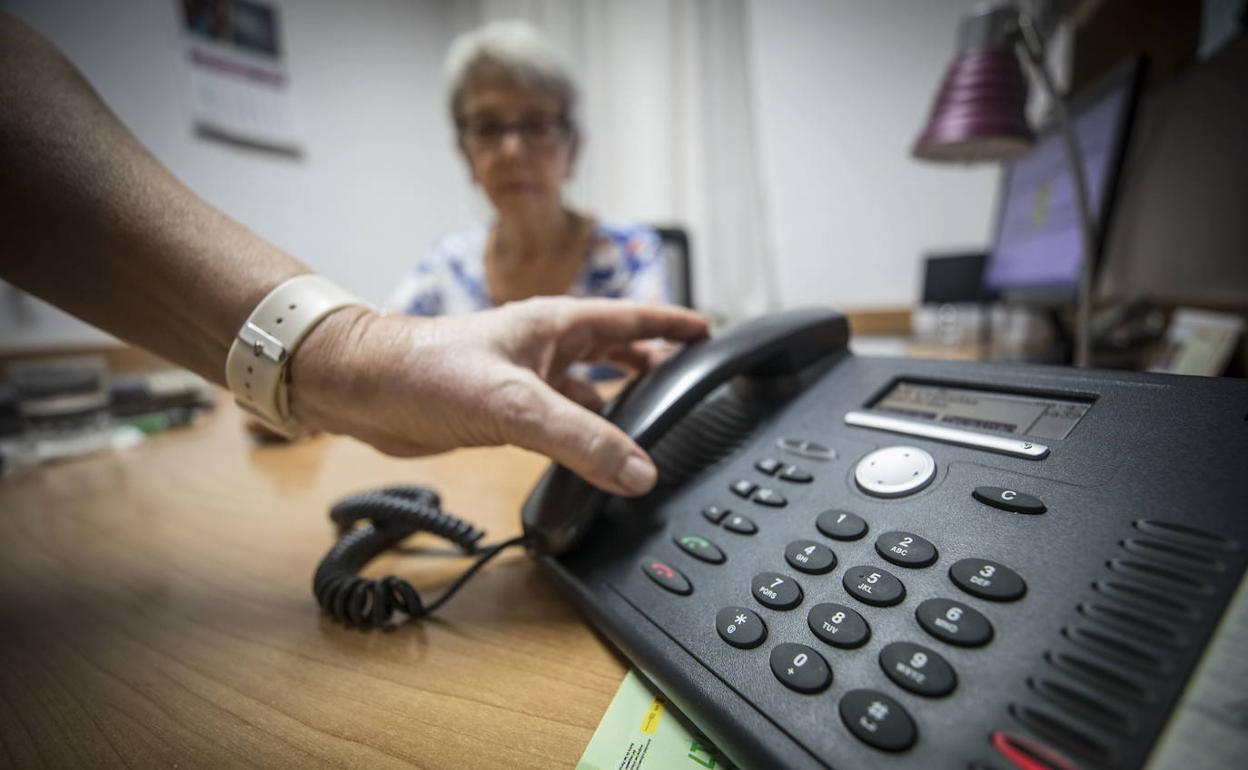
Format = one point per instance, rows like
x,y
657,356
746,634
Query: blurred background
x,y
775,133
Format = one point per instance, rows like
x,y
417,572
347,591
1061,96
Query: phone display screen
x,y
1016,413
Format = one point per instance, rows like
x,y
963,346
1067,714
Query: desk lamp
x,y
979,116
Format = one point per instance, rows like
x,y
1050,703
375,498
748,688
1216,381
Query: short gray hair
x,y
511,51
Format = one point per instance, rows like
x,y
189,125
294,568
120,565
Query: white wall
x,y
842,88
378,181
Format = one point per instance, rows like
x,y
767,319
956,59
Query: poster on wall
x,y
240,88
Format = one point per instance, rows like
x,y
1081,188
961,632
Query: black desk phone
x,y
858,562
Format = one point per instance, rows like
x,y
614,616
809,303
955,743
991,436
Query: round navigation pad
x,y
895,471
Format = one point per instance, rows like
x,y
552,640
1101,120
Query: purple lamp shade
x,y
978,114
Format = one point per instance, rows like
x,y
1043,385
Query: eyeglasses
x,y
537,133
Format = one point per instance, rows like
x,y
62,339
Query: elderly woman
x,y
513,104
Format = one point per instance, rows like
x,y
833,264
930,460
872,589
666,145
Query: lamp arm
x,y
1033,48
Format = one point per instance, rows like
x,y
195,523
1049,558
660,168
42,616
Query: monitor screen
x,y
1037,244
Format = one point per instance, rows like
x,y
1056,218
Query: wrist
x,y
258,367
329,376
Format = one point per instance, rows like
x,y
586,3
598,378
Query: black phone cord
x,y
393,514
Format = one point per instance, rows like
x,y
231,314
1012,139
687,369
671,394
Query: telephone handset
x,y
562,507
559,511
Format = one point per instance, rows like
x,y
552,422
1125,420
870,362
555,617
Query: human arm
x,y
93,223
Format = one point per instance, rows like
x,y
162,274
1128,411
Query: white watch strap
x,y
257,367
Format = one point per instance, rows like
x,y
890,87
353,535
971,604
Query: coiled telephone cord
x,y
393,514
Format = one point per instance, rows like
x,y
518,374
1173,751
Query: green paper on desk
x,y
642,731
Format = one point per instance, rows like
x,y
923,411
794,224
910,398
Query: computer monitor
x,y
1036,254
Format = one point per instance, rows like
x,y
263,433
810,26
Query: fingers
x,y
608,321
535,416
634,356
582,393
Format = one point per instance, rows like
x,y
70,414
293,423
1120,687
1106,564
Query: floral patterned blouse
x,y
624,262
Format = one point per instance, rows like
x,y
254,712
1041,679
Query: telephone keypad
x,y
841,525
987,579
715,514
905,549
873,585
810,557
838,625
918,669
779,592
878,720
740,627
700,548
800,668
954,622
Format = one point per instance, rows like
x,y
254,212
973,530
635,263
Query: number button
x,y
841,525
810,557
779,592
987,580
878,720
917,669
838,625
800,668
700,548
740,627
874,586
954,622
905,549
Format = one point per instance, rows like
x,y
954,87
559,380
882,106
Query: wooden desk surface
x,y
156,610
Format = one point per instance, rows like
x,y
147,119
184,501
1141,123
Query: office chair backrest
x,y
678,261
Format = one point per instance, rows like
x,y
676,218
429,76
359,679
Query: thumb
x,y
545,421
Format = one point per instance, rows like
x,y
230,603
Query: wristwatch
x,y
257,368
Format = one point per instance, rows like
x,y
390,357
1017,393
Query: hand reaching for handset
x,y
413,386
